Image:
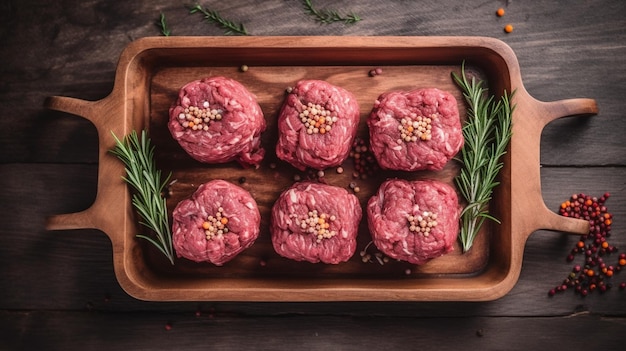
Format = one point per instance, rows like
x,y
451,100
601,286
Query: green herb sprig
x,y
329,16
213,16
142,174
162,24
487,133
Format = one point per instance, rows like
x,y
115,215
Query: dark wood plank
x,y
87,331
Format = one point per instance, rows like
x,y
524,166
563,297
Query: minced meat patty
x,y
317,124
316,223
415,130
217,120
219,221
414,221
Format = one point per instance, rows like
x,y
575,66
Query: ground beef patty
x,y
315,222
414,221
317,124
415,130
218,222
217,120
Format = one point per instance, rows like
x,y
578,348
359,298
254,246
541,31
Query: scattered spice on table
x,y
508,28
500,12
597,270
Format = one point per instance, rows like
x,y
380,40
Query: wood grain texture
x,y
220,331
59,289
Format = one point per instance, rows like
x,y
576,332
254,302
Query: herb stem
x,y
215,17
329,16
162,24
143,176
487,133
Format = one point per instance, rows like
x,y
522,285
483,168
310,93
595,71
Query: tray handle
x,y
548,112
568,108
99,113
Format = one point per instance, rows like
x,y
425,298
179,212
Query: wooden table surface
x,y
58,289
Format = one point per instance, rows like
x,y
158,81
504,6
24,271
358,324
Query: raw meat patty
x,y
219,221
317,124
315,222
415,130
217,120
414,221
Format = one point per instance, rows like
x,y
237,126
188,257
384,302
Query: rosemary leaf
x,y
213,16
329,16
163,25
143,176
487,133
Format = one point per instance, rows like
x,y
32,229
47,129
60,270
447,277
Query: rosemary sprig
x,y
487,133
329,16
215,17
162,24
142,174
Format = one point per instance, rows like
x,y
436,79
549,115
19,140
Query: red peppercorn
x,y
594,245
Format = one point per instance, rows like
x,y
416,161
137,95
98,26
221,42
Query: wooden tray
x,y
149,74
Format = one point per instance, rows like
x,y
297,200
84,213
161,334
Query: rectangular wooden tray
x,y
150,72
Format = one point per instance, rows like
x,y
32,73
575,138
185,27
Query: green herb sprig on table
x,y
142,174
162,24
487,133
329,16
215,17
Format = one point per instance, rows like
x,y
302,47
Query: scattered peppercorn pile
x,y
597,272
365,164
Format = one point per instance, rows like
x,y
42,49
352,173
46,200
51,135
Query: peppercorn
x,y
375,72
594,245
364,161
508,28
500,12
